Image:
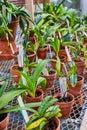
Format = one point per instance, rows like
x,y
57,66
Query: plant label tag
x,y
24,81
85,33
45,71
4,10
65,68
68,54
20,56
12,49
50,52
24,112
62,82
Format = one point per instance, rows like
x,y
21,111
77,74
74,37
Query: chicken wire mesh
x,y
16,121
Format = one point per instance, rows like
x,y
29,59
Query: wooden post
x,y
30,8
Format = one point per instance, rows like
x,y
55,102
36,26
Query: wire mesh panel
x,y
16,121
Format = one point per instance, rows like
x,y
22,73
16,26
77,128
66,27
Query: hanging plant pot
x,y
65,104
38,96
6,53
76,90
4,120
15,73
42,53
31,55
12,26
50,79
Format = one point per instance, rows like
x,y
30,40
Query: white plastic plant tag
x,y
20,56
45,71
68,54
59,35
85,33
65,68
62,82
12,49
24,81
77,38
24,112
50,51
4,10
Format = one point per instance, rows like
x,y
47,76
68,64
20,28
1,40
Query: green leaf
x,y
38,70
58,65
6,98
46,103
52,111
73,80
42,125
35,124
3,87
28,106
31,87
42,81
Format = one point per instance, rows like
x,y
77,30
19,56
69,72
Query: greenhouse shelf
x,y
16,121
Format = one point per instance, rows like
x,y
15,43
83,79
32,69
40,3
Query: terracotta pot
x,y
62,59
12,26
62,52
65,107
15,57
80,99
30,55
29,99
6,51
50,79
77,89
42,52
15,73
4,122
32,39
85,41
80,67
57,121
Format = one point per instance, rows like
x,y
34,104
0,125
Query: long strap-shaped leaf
x,y
2,89
38,70
35,124
6,98
46,103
